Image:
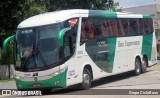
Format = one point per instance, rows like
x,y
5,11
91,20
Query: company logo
x,y
71,73
26,75
21,93
6,92
102,44
35,74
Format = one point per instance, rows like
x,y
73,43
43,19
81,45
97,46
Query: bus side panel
x,y
102,52
147,46
126,50
99,54
154,50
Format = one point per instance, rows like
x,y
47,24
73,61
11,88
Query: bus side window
x,y
97,27
70,41
83,32
110,28
105,33
84,36
125,26
151,25
103,28
121,27
137,21
133,27
67,38
146,28
141,23
114,27
90,28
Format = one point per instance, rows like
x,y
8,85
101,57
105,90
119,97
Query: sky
x,y
134,3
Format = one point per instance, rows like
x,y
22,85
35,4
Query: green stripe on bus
x,y
5,43
109,14
61,35
112,49
58,81
102,52
105,14
147,16
147,45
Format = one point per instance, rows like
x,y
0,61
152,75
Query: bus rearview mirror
x,y
61,34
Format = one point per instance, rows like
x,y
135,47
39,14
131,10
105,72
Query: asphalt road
x,y
110,85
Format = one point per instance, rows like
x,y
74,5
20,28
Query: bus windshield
x,y
37,48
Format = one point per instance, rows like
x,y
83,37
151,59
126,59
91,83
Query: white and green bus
x,y
68,47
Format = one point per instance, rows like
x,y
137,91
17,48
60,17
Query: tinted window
x,y
104,27
87,29
70,37
98,27
133,26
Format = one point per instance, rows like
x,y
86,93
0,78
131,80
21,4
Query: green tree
x,y
12,12
116,7
7,58
51,5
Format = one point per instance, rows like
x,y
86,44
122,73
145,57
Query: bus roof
x,y
58,16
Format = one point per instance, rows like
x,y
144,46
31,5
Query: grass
x,y
6,80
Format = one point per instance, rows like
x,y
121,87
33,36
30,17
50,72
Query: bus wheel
x,y
86,79
144,65
137,70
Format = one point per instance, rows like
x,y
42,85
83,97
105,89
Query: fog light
x,y
19,85
17,77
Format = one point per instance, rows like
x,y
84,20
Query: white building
x,y
149,10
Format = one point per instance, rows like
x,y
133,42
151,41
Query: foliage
x,y
12,12
7,58
116,7
51,5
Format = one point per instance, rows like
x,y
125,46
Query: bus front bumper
x,y
58,81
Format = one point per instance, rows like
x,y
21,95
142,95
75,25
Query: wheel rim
x,y
144,64
86,79
138,67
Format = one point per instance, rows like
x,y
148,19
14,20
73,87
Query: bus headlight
x,y
63,69
56,73
59,72
17,77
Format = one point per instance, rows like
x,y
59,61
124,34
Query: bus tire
x,y
144,65
46,91
137,70
86,79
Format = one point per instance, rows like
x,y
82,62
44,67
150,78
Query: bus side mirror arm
x,y
61,34
5,43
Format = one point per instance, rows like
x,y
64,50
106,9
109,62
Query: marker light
x,y
37,85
